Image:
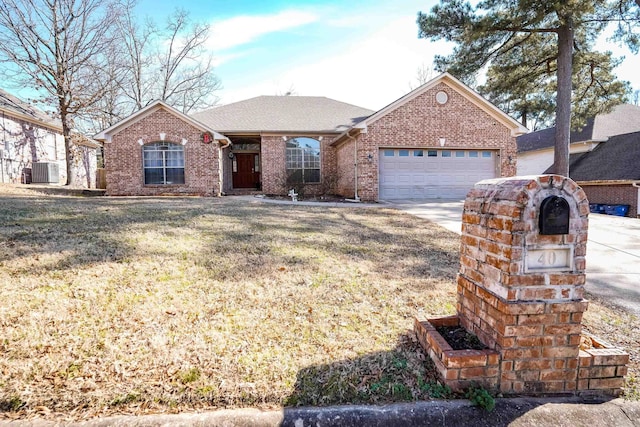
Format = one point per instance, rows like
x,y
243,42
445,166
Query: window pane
x,y
388,153
175,176
175,158
486,154
152,159
459,153
473,154
294,158
446,153
154,176
294,176
432,153
403,153
312,175
418,153
303,160
163,163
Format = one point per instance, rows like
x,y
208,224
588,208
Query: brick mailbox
x,y
520,292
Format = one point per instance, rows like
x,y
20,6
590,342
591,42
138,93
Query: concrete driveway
x,y
613,249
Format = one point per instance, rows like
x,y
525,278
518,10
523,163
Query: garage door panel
x,y
418,177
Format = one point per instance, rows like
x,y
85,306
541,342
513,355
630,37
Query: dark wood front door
x,y
244,173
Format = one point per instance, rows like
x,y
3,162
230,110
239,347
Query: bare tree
x,y
57,47
147,63
171,64
424,73
291,91
186,69
136,42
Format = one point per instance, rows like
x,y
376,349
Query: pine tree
x,y
499,31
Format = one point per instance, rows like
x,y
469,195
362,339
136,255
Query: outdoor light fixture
x,y
184,141
442,141
140,141
162,136
284,138
320,138
370,157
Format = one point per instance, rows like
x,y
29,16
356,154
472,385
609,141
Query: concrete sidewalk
x,y
516,412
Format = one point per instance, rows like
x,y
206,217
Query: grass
x,y
125,305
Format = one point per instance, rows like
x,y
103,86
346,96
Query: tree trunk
x,y
68,145
563,102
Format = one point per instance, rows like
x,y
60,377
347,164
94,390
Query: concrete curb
x,y
516,412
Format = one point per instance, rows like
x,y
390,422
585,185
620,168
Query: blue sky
x,y
365,53
362,52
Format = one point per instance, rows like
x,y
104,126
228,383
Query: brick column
x,y
521,291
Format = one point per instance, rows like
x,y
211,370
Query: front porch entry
x,y
246,170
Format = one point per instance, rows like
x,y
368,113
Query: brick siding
x,y
274,173
420,123
123,158
623,194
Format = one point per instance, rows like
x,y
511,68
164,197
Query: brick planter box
x,y
520,291
459,369
601,369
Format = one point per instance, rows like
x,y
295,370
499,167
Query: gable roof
x,y
461,88
624,118
14,106
108,133
283,114
616,159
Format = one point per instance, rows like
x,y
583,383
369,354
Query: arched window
x,y
163,163
303,160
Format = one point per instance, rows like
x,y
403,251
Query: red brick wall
x,y
625,194
273,152
345,160
420,123
123,158
534,319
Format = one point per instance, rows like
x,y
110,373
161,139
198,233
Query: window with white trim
x,y
303,160
163,163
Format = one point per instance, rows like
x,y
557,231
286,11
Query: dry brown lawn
x,y
148,305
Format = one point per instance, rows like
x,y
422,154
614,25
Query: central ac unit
x,y
45,173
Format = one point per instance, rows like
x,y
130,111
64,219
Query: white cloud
x,y
241,30
374,72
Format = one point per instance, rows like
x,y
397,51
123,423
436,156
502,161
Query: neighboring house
x,y
32,147
535,149
436,141
610,173
603,156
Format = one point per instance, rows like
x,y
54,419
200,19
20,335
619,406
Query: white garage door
x,y
432,174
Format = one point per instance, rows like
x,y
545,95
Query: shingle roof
x,y
616,159
283,114
10,103
622,119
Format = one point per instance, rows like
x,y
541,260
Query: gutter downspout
x,y
355,199
4,146
637,185
221,165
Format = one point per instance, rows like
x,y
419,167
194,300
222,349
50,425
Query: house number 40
x,y
549,259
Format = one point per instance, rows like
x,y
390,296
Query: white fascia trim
x,y
20,116
471,95
107,134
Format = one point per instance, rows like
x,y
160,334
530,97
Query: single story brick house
x,y
434,142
